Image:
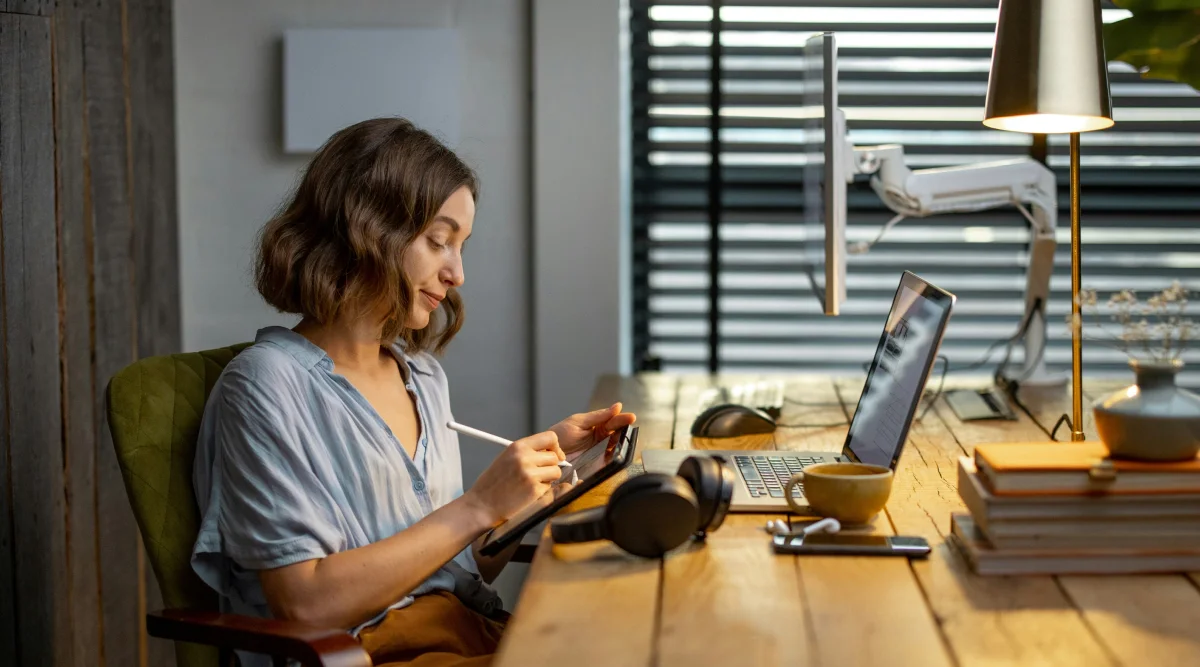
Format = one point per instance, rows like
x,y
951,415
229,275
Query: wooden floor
x,y
733,602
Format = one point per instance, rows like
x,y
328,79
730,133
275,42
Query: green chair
x,y
154,411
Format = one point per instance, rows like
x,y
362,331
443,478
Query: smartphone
x,y
856,545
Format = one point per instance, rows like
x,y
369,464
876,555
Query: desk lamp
x,y
1049,76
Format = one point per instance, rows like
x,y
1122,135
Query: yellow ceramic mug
x,y
848,492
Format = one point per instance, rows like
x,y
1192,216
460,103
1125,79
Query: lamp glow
x,y
1049,123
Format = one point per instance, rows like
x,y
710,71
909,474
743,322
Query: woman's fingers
x,y
620,421
544,459
546,441
545,474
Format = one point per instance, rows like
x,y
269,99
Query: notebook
x,y
987,560
1077,468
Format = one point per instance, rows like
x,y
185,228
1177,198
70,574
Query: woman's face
x,y
433,261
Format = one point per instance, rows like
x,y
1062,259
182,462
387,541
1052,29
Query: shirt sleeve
x,y
272,509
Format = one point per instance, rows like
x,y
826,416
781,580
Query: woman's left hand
x,y
580,431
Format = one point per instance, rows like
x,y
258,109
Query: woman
x,y
329,486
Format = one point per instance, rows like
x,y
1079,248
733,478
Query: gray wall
x,y
233,175
580,141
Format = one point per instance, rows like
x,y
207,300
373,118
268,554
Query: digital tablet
x,y
601,461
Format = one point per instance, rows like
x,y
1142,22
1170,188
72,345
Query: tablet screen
x,y
595,465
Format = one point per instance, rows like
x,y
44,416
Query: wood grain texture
x,y
1137,618
986,620
651,396
114,305
576,594
733,601
595,586
155,232
152,122
881,590
691,389
1143,620
9,168
74,303
9,74
34,425
814,417
730,599
30,7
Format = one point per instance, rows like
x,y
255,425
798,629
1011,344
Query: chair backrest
x,y
154,411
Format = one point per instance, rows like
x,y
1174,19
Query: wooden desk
x,y
734,602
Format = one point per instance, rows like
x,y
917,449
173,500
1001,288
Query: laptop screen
x,y
899,371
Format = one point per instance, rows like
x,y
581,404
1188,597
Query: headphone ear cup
x,y
712,483
651,514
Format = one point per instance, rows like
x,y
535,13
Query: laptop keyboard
x,y
766,475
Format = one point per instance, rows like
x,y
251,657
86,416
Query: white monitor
x,y
824,176
832,161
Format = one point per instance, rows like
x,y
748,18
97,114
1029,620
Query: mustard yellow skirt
x,y
436,630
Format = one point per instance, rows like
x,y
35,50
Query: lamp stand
x,y
1076,273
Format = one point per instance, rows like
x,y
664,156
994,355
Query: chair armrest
x,y
311,645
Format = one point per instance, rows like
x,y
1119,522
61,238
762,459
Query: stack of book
x,y
1058,508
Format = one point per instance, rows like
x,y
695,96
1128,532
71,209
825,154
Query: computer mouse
x,y
730,420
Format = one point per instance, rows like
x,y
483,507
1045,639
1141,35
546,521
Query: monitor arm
x,y
975,187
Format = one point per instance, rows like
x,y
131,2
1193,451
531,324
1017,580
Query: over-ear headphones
x,y
652,513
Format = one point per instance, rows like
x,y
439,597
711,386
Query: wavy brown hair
x,y
336,248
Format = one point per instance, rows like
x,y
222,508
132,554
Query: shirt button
x,y
419,485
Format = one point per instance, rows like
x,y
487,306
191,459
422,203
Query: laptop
x,y
902,364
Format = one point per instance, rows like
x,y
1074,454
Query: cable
x,y
931,399
987,356
862,247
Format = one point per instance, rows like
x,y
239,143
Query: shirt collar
x,y
302,349
419,363
310,355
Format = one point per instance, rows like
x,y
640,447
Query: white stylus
x,y
488,437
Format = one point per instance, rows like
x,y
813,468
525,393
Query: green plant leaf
x,y
1153,31
1182,65
1161,39
1139,6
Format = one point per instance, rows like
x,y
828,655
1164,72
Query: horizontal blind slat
x,y
906,78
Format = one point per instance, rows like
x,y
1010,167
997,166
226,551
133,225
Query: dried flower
x,y
1156,330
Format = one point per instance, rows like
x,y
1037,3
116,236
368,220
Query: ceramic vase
x,y
1153,419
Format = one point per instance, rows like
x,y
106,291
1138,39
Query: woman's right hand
x,y
521,474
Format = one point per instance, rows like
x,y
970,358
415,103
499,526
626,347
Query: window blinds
x,y
913,73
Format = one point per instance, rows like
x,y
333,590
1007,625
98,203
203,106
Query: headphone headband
x,y
583,526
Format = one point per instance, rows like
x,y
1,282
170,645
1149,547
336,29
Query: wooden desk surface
x,y
734,602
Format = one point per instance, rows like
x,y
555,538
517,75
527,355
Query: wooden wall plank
x,y
9,74
114,305
32,7
34,423
155,232
74,261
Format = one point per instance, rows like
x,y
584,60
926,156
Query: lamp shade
x,y
1049,74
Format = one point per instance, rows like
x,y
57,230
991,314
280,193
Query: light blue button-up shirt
x,y
293,463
